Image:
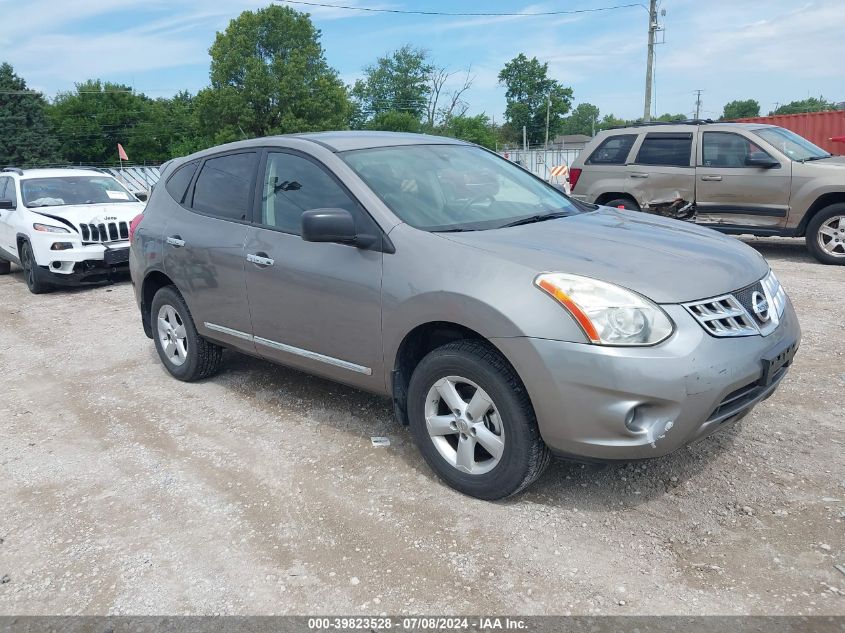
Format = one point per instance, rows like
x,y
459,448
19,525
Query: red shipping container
x,y
816,127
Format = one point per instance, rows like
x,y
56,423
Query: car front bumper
x,y
670,394
85,264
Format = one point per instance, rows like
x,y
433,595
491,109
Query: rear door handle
x,y
260,259
711,178
638,174
176,241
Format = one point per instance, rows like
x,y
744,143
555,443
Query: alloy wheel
x,y
172,335
831,236
464,424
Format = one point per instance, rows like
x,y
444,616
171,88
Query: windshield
x,y
796,147
454,187
64,190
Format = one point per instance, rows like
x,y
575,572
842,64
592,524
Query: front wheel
x,y
183,352
31,271
473,421
826,235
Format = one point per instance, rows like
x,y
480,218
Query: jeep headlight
x,y
47,228
608,314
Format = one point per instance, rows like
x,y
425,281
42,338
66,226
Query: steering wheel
x,y
477,199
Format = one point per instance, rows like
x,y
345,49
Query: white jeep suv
x,y
64,226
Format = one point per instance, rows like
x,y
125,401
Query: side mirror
x,y
333,225
759,159
142,196
7,204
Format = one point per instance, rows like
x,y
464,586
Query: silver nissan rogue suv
x,y
506,321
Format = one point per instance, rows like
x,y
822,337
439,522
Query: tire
x,y
625,203
5,267
189,356
32,272
826,235
475,368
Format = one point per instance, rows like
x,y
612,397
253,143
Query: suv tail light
x,y
574,175
134,225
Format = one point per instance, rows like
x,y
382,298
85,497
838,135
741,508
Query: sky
x,y
774,51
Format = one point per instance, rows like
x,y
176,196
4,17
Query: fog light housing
x,y
61,246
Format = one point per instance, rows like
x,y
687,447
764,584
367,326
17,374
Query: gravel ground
x,y
123,491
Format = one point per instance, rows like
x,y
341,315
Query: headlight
x,y
775,292
608,314
46,228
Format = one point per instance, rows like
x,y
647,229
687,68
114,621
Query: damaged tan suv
x,y
739,178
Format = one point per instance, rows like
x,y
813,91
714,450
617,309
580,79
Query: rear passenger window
x,y
669,149
224,186
613,151
177,184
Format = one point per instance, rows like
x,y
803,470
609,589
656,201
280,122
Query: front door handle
x,y
712,178
638,174
176,241
260,259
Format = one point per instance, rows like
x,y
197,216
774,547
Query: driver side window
x,y
726,149
294,185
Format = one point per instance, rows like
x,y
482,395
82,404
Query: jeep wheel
x,y
183,352
32,272
623,203
473,422
826,235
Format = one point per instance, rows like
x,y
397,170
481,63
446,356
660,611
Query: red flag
x,y
121,152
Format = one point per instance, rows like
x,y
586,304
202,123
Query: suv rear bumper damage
x,y
616,403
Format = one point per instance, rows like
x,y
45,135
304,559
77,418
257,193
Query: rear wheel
x,y
473,422
623,203
183,352
826,235
32,272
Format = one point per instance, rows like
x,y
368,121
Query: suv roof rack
x,y
650,123
16,170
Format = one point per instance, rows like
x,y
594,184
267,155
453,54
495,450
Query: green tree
x,y
583,120
670,118
609,121
25,135
741,109
812,104
476,129
269,76
397,82
394,121
528,90
92,119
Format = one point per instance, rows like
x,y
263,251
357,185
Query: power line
x,y
468,14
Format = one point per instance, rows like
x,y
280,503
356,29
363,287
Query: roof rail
x,y
650,123
16,170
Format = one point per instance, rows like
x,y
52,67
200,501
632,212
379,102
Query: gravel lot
x,y
123,491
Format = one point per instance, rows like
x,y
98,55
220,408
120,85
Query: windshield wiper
x,y
455,230
816,158
536,218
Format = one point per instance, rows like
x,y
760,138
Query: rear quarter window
x,y
177,184
613,150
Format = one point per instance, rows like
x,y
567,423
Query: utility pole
x,y
649,73
524,138
698,103
548,113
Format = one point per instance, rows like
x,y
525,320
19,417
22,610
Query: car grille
x,y
733,314
104,232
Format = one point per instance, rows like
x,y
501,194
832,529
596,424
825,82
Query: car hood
x,y
668,261
91,213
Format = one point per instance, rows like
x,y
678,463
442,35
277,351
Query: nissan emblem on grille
x,y
760,305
